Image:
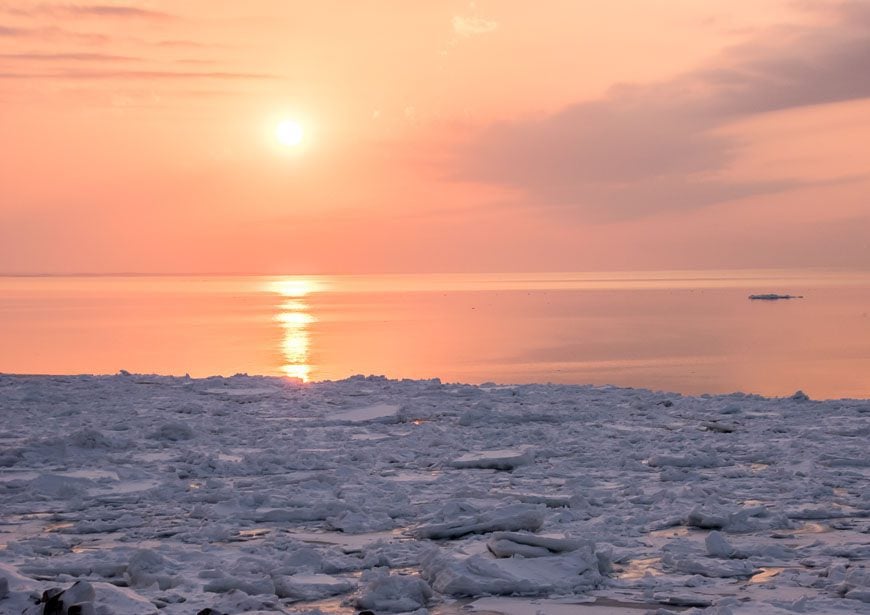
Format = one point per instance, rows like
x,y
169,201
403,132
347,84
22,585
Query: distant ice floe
x,y
773,297
134,495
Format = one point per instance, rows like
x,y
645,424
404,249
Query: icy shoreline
x,y
255,494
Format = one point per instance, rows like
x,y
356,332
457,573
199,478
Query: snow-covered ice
x,y
505,459
369,413
145,494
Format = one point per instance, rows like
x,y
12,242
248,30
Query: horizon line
x,y
141,274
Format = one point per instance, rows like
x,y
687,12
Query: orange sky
x,y
439,136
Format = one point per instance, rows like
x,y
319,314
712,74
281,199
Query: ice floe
x,y
505,459
773,297
143,494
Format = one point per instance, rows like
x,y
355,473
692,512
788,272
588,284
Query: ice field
x,y
146,494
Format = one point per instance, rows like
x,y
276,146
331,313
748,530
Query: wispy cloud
x,y
472,26
105,10
95,75
8,31
86,10
196,62
62,57
660,146
54,34
181,43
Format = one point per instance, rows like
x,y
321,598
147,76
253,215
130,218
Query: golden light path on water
x,y
295,320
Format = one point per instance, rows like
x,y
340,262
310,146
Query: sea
x,y
690,332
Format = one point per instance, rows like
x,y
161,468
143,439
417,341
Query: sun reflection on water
x,y
295,319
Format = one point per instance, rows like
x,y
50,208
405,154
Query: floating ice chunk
x,y
508,548
767,552
251,586
858,594
683,599
234,602
377,412
503,459
507,519
172,431
89,439
695,460
709,567
188,407
550,501
717,546
487,414
352,522
112,600
856,585
100,526
318,511
57,486
816,512
836,461
304,559
718,427
311,586
393,593
741,520
242,393
480,574
146,568
773,297
61,600
508,544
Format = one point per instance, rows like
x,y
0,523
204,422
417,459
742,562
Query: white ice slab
x,y
501,459
368,413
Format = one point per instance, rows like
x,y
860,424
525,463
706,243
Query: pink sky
x,y
439,136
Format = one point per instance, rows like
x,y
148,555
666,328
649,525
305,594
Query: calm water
x,y
691,332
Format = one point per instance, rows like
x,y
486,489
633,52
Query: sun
x,y
290,133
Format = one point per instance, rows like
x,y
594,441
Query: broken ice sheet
x,y
247,493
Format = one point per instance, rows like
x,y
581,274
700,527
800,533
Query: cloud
x,y
54,33
105,10
653,147
62,57
182,43
472,26
10,31
93,75
87,10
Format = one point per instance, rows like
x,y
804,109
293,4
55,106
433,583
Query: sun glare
x,y
296,319
290,133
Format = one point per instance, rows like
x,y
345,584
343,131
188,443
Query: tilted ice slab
x,y
299,587
502,459
242,394
374,412
509,544
392,593
478,575
508,519
549,500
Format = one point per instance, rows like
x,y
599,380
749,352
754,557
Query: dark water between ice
x,y
691,332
